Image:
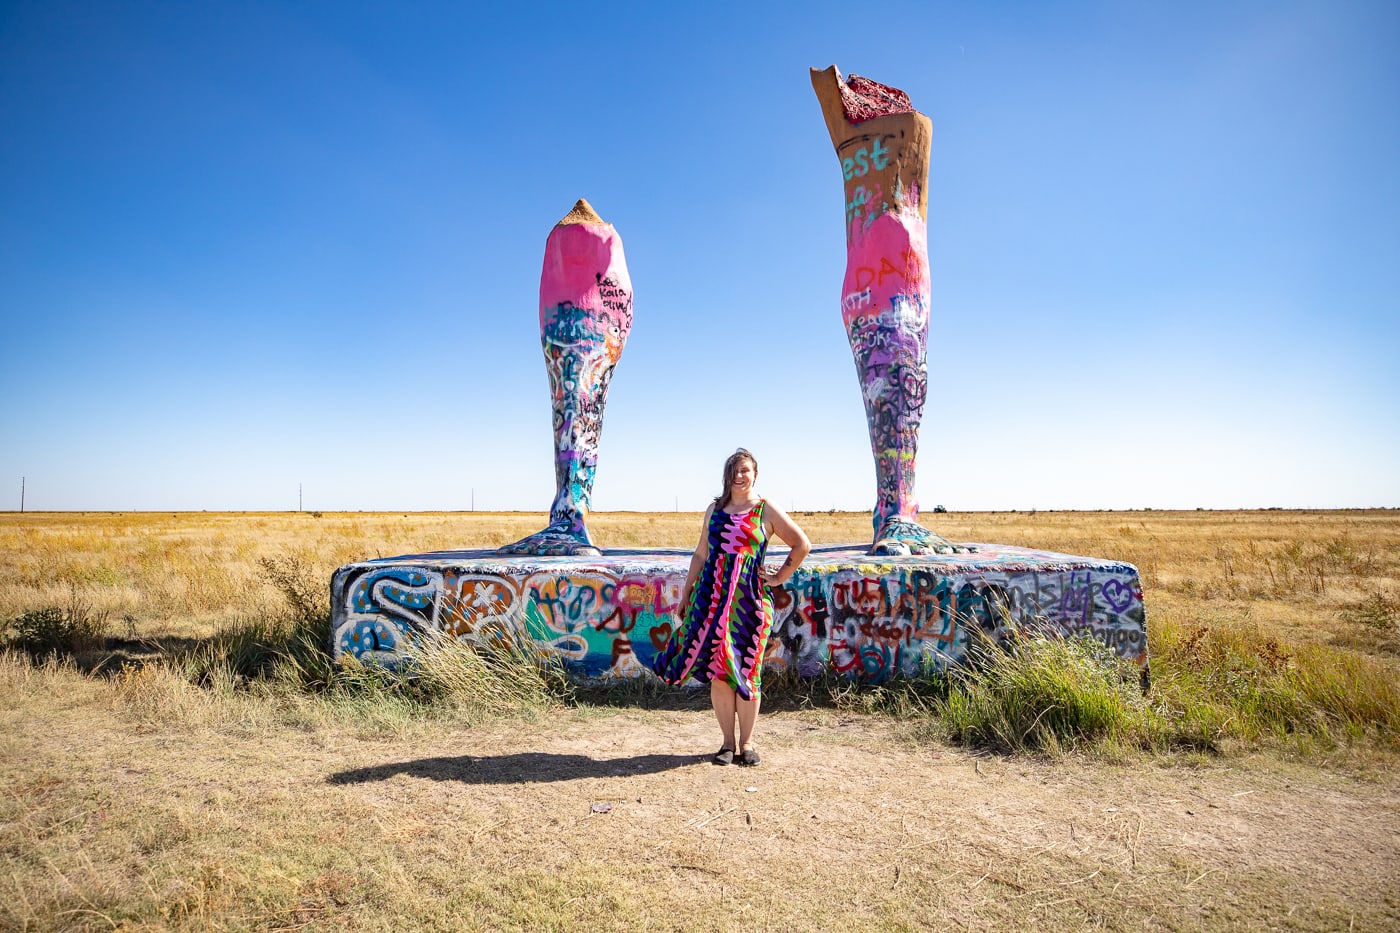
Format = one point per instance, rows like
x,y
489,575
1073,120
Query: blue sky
x,y
248,246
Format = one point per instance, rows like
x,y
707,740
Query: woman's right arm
x,y
697,561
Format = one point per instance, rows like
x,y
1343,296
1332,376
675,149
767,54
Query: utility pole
x,y
21,493
473,498
298,497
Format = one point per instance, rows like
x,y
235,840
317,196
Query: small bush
x,y
305,590
1378,611
62,632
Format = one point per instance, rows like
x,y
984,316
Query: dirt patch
x,y
617,818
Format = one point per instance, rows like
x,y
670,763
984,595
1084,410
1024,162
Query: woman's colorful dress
x,y
726,623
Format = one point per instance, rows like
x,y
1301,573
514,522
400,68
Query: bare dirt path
x,y
615,818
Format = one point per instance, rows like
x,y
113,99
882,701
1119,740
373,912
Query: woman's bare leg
x,y
585,316
723,699
748,716
883,145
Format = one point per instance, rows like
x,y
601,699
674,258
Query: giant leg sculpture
x,y
882,143
585,314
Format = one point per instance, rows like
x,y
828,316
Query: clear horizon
x,y
932,515
249,246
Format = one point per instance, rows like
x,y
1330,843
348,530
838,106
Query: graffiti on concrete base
x,y
609,617
907,622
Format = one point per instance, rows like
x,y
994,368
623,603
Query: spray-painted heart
x,y
1118,594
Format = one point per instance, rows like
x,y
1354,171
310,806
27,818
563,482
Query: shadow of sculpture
x,y
519,768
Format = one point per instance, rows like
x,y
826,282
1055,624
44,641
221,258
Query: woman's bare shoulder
x,y
771,508
778,520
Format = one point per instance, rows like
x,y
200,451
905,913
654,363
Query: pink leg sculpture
x,y
882,143
585,315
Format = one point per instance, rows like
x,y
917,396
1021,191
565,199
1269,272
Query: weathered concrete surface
x,y
607,616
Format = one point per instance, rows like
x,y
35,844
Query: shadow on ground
x,y
521,768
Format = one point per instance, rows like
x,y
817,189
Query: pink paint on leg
x,y
585,317
578,260
887,267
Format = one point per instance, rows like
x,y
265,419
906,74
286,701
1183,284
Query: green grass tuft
x,y
1238,683
1044,695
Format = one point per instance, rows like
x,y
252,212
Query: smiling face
x,y
740,473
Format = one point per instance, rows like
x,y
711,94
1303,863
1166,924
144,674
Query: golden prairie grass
x,y
1329,577
1314,576
185,794
1263,626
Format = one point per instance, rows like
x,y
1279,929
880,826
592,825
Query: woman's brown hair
x,y
731,466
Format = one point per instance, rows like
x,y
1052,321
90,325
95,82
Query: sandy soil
x,y
617,818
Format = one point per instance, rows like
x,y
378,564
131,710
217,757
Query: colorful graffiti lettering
x,y
875,156
874,185
610,617
592,619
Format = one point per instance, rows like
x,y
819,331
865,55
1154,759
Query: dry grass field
x,y
178,794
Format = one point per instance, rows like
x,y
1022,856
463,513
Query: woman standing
x,y
726,609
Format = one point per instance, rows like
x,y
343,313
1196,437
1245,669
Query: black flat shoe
x,y
725,756
749,757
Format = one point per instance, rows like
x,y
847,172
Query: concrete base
x,y
864,616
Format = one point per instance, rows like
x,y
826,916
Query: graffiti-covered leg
x,y
883,146
585,315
